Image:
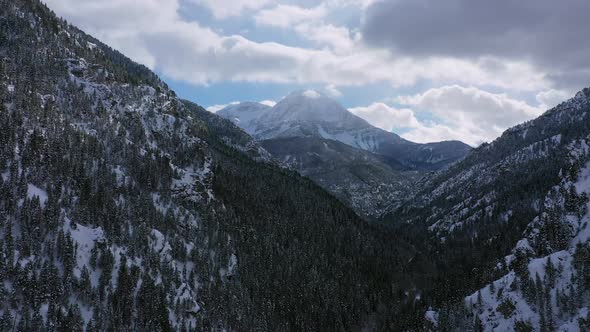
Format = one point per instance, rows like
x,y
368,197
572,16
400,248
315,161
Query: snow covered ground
x,y
34,191
502,305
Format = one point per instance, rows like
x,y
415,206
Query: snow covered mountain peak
x,y
308,113
303,113
313,108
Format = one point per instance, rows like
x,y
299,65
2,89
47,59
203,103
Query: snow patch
x,y
432,317
34,191
86,238
232,265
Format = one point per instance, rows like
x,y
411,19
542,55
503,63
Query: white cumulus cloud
x,y
332,91
288,15
551,98
387,118
154,33
228,8
467,113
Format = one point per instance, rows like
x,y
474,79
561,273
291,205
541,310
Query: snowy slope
x,y
514,215
308,113
559,300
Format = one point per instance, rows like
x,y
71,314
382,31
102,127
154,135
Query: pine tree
x,y
550,272
8,245
479,300
542,322
85,285
539,294
6,321
548,309
73,321
571,300
477,325
559,302
122,300
37,321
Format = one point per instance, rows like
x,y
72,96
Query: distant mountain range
x,y
367,167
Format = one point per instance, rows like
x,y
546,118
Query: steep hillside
x,y
125,208
225,132
546,279
469,217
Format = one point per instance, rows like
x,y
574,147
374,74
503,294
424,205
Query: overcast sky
x,y
428,70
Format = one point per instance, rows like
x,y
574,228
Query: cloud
x,y
309,23
551,98
434,132
387,118
454,112
227,8
339,39
404,120
468,103
549,34
467,113
332,91
153,32
287,15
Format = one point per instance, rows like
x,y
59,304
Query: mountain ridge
x,y
298,115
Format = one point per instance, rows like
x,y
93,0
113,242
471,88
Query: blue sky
x,y
429,70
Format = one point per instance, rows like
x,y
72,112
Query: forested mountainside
x,y
125,208
513,214
361,179
224,132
